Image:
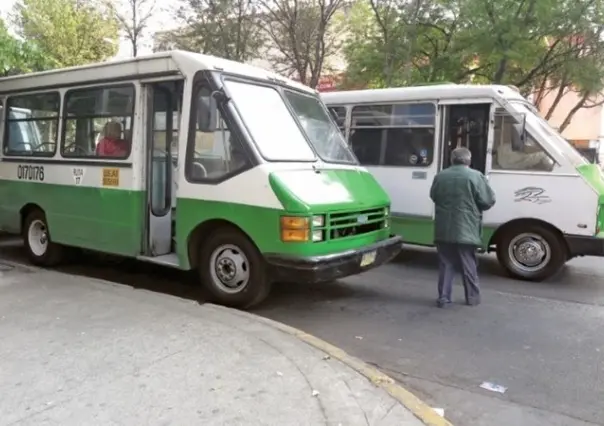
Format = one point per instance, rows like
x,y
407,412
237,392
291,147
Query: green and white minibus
x,y
193,162
549,198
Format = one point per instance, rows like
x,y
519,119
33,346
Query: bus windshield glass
x,y
320,129
271,125
543,127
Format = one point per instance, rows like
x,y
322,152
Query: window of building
x,y
213,151
98,122
516,149
401,135
32,124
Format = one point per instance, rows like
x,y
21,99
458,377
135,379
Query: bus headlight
x,y
318,221
295,229
317,235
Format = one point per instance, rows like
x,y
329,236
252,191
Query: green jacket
x,y
460,195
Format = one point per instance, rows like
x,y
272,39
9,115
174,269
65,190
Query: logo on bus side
x,y
532,194
111,177
27,172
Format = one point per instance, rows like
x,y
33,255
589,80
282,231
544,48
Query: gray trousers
x,y
457,259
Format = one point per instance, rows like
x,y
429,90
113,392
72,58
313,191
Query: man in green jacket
x,y
460,195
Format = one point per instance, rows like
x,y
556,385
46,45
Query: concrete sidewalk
x,y
80,351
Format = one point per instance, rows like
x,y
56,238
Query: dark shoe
x,y
443,303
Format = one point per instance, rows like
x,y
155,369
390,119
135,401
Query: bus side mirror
x,y
206,114
519,141
523,133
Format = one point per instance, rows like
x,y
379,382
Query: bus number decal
x,y
78,175
111,177
30,173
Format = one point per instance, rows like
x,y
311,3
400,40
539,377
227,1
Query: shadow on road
x,y
177,283
488,267
184,284
426,258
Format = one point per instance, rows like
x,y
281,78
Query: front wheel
x,y
232,269
40,248
532,252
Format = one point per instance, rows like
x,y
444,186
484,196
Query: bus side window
x,y
394,135
213,151
32,124
98,122
511,153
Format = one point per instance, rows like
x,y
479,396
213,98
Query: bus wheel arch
x,y
223,254
530,249
40,248
201,232
26,210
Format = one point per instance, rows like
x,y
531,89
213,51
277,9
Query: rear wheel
x,y
38,243
531,252
232,269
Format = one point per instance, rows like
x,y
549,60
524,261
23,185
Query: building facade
x,y
586,129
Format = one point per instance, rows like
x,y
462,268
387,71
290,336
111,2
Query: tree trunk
x,y
573,111
559,95
498,77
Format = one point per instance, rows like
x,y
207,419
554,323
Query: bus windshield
x,y
543,127
271,125
325,137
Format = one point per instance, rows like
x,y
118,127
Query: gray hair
x,y
461,156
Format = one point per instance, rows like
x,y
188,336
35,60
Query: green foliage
x,y
18,56
69,32
526,43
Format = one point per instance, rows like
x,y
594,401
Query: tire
x,y
232,269
38,242
531,252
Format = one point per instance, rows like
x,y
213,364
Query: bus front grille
x,y
348,224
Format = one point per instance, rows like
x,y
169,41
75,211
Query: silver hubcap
x,y
37,236
230,268
529,252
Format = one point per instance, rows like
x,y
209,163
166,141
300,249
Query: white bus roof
x,y
173,62
434,92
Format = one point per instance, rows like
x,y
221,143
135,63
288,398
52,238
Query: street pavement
x,y
81,351
542,341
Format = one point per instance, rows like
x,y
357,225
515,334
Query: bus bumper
x,y
580,245
315,269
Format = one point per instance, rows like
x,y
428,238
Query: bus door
x,y
163,105
466,123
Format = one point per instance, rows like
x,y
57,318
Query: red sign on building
x,y
327,83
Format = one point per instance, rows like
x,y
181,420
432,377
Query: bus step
x,y
170,259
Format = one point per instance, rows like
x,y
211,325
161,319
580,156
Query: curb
x,y
15,264
419,408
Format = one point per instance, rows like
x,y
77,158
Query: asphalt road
x,y
542,341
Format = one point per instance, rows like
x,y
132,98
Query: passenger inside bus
x,y
112,144
509,157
